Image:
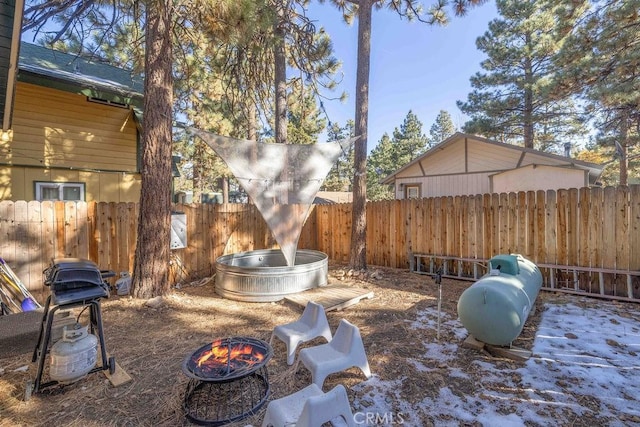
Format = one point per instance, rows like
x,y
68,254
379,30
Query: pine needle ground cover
x,y
582,372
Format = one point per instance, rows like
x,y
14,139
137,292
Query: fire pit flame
x,y
229,356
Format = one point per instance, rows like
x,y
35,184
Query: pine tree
x,y
409,142
340,176
442,128
305,121
513,100
381,162
601,61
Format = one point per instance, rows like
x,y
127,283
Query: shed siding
x,y
451,160
448,185
536,159
59,129
539,177
488,157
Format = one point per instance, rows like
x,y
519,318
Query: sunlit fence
x,y
587,239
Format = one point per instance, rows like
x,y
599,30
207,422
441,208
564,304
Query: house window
x,y
59,191
412,191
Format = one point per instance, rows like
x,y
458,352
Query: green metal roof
x,y
72,73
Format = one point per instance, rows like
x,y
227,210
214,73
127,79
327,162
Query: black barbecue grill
x,y
74,282
73,279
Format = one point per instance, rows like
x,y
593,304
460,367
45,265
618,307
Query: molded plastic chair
x,y
344,351
309,407
312,324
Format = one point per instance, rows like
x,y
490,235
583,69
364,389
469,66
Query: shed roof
x,y
594,169
73,73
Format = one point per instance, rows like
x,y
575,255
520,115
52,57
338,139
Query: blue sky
x,y
414,66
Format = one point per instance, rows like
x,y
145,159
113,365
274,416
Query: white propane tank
x,y
74,355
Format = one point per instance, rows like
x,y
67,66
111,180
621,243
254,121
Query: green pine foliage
x,y
340,177
407,144
600,61
380,164
305,120
514,98
442,128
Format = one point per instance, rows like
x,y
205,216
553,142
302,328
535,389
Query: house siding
x,y
538,177
451,160
468,165
483,157
54,128
18,183
448,185
60,136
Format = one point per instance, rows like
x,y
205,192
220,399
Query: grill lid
x,y
74,274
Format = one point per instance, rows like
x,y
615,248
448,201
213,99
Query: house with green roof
x,y
74,132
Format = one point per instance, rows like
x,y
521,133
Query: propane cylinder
x,y
74,355
495,308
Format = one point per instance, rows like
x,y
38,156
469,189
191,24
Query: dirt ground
x,y
150,344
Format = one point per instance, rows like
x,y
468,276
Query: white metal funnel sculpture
x,y
281,179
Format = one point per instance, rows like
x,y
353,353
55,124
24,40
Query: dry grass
x,y
151,343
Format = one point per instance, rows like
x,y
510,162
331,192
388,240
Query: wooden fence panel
x,y
35,262
48,249
572,227
634,241
7,217
522,224
479,226
539,228
345,212
503,224
556,227
549,247
398,248
584,207
608,236
512,223
410,227
621,238
595,236
453,226
21,231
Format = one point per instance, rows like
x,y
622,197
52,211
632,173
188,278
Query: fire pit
x,y
228,380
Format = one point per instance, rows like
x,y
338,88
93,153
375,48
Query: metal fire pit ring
x,y
218,403
264,276
229,391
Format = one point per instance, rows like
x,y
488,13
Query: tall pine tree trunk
x,y
280,72
624,160
151,266
358,255
527,116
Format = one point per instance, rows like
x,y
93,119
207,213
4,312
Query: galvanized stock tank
x,y
263,275
495,308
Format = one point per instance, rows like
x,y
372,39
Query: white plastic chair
x,y
309,407
344,351
312,324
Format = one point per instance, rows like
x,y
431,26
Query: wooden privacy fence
x,y
586,240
